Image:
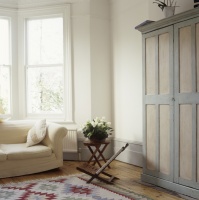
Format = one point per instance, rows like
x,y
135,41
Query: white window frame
x,y
41,13
27,66
11,15
9,66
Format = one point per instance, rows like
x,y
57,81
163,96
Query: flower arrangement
x,y
97,129
165,3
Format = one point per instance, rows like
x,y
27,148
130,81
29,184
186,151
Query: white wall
x,y
100,59
127,62
127,67
80,22
91,60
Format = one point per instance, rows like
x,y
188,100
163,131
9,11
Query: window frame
x,y
10,65
39,13
30,66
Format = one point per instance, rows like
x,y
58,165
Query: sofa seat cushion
x,y
20,151
3,156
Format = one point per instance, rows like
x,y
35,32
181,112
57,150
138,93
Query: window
x,y
5,66
45,66
35,66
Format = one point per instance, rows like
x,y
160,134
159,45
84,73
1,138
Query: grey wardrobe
x,y
171,102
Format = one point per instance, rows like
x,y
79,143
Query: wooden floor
x,y
129,177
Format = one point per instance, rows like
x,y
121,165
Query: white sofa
x,y
16,159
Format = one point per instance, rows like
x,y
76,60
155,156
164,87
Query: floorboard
x,y
129,177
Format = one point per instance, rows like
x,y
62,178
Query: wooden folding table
x,y
95,172
97,149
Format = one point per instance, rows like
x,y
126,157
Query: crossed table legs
x,y
96,151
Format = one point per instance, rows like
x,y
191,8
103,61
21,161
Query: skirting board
x,y
170,186
132,154
70,156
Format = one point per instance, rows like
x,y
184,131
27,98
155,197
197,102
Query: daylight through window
x,y
45,66
5,66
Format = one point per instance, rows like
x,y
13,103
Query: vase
x,y
169,11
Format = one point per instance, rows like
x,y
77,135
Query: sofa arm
x,y
54,139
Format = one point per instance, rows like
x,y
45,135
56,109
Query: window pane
x,y
4,70
4,42
4,90
45,41
45,90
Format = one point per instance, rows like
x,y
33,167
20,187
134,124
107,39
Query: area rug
x,y
64,188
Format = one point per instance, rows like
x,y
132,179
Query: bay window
x,y
43,65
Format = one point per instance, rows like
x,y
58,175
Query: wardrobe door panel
x,y
150,66
165,144
186,141
151,137
164,63
185,59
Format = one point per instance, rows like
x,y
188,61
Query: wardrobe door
x,y
158,104
187,103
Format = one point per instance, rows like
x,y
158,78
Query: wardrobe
x,y
171,102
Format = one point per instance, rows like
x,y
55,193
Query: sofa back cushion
x,y
14,131
37,133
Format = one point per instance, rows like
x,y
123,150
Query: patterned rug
x,y
64,188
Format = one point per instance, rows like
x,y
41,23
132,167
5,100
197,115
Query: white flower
x,y
93,123
97,119
100,123
108,124
96,123
103,119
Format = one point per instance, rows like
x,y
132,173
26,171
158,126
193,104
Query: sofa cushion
x,y
13,132
20,151
3,156
37,133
